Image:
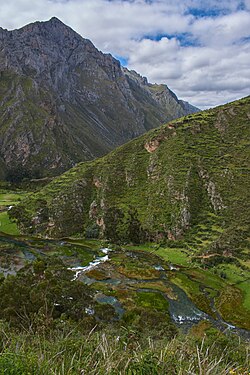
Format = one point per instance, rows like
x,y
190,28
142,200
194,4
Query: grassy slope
x,y
8,198
196,184
6,225
194,187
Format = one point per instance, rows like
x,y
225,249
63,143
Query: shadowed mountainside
x,y
62,101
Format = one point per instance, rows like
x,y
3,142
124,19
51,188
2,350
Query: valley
x,y
124,210
140,257
188,289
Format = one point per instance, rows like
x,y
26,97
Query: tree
x,y
42,292
135,232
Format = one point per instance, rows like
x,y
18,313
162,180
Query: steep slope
x,y
187,180
62,101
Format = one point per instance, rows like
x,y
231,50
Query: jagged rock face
x,y
186,178
63,101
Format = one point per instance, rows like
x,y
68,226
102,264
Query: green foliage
x,y
41,293
120,351
135,233
45,330
8,197
18,173
6,225
123,228
188,185
92,231
154,301
113,219
192,188
230,305
14,364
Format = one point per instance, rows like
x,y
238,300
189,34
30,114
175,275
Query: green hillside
x,y
177,201
187,181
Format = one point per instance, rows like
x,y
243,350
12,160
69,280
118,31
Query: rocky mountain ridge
x,y
62,101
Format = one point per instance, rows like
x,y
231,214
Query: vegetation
x,y
6,225
52,324
178,216
185,184
41,136
47,328
72,351
8,198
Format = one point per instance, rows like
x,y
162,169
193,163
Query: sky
x,y
199,48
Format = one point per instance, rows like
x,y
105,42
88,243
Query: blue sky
x,y
200,49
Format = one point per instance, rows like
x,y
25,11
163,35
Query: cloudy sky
x,y
199,48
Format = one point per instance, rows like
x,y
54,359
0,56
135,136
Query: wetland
x,y
131,281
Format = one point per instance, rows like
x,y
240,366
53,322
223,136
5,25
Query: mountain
x,y
185,181
62,101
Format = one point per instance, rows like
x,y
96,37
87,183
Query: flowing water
x,y
93,264
102,298
16,252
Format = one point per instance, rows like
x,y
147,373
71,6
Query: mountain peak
x,y
79,97
53,24
44,45
57,23
55,20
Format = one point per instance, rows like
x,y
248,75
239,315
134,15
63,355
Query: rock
x,y
62,101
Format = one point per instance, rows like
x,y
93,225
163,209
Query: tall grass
x,y
68,351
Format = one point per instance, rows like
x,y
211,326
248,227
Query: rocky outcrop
x,y
214,195
62,101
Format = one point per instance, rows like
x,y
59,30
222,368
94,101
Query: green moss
x,y
244,287
152,300
230,305
196,294
157,286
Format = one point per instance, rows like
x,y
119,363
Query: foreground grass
x,y
120,351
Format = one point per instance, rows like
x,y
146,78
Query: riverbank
x,y
128,279
72,305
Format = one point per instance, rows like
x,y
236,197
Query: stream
x,y
182,310
93,264
16,252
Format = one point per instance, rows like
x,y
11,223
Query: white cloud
x,y
223,30
202,74
214,70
